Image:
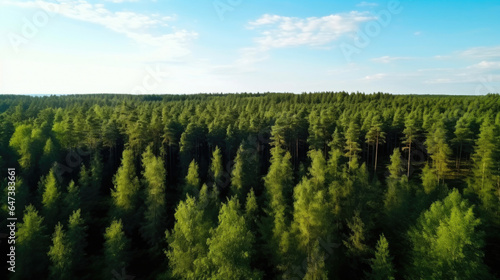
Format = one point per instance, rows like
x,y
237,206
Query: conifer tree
x,y
77,241
375,137
438,149
72,201
60,254
230,245
51,199
31,245
352,147
188,241
381,263
192,185
154,219
485,180
126,190
116,249
217,168
447,242
410,134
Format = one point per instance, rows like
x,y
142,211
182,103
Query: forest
x,y
326,185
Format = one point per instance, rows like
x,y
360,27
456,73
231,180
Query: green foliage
x,y
31,245
313,149
381,263
438,149
72,201
217,167
60,255
77,241
192,185
188,241
126,189
396,167
447,242
116,249
352,146
51,198
486,177
230,246
154,217
244,173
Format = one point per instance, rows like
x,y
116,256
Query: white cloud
x,y
281,31
121,1
482,52
149,30
375,77
367,4
389,59
486,65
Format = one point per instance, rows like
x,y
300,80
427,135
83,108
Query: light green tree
x,y
381,263
446,242
60,254
188,241
125,193
31,246
230,245
154,217
116,248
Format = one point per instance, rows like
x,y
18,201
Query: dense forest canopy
x,y
253,186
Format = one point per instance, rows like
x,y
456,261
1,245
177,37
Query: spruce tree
x,y
381,263
31,246
116,249
154,217
125,193
60,254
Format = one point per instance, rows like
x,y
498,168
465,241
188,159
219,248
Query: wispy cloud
x,y
375,77
281,31
152,30
482,53
367,4
389,59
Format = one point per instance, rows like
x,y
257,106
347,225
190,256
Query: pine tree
x,y
463,136
381,264
244,173
77,241
72,201
485,179
217,168
116,249
192,185
410,134
375,136
311,216
60,255
438,149
251,210
49,156
126,190
447,243
51,199
230,245
396,167
154,219
352,147
31,246
188,241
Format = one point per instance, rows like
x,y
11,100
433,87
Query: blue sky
x,y
173,46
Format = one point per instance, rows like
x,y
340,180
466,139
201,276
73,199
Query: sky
x,y
234,46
